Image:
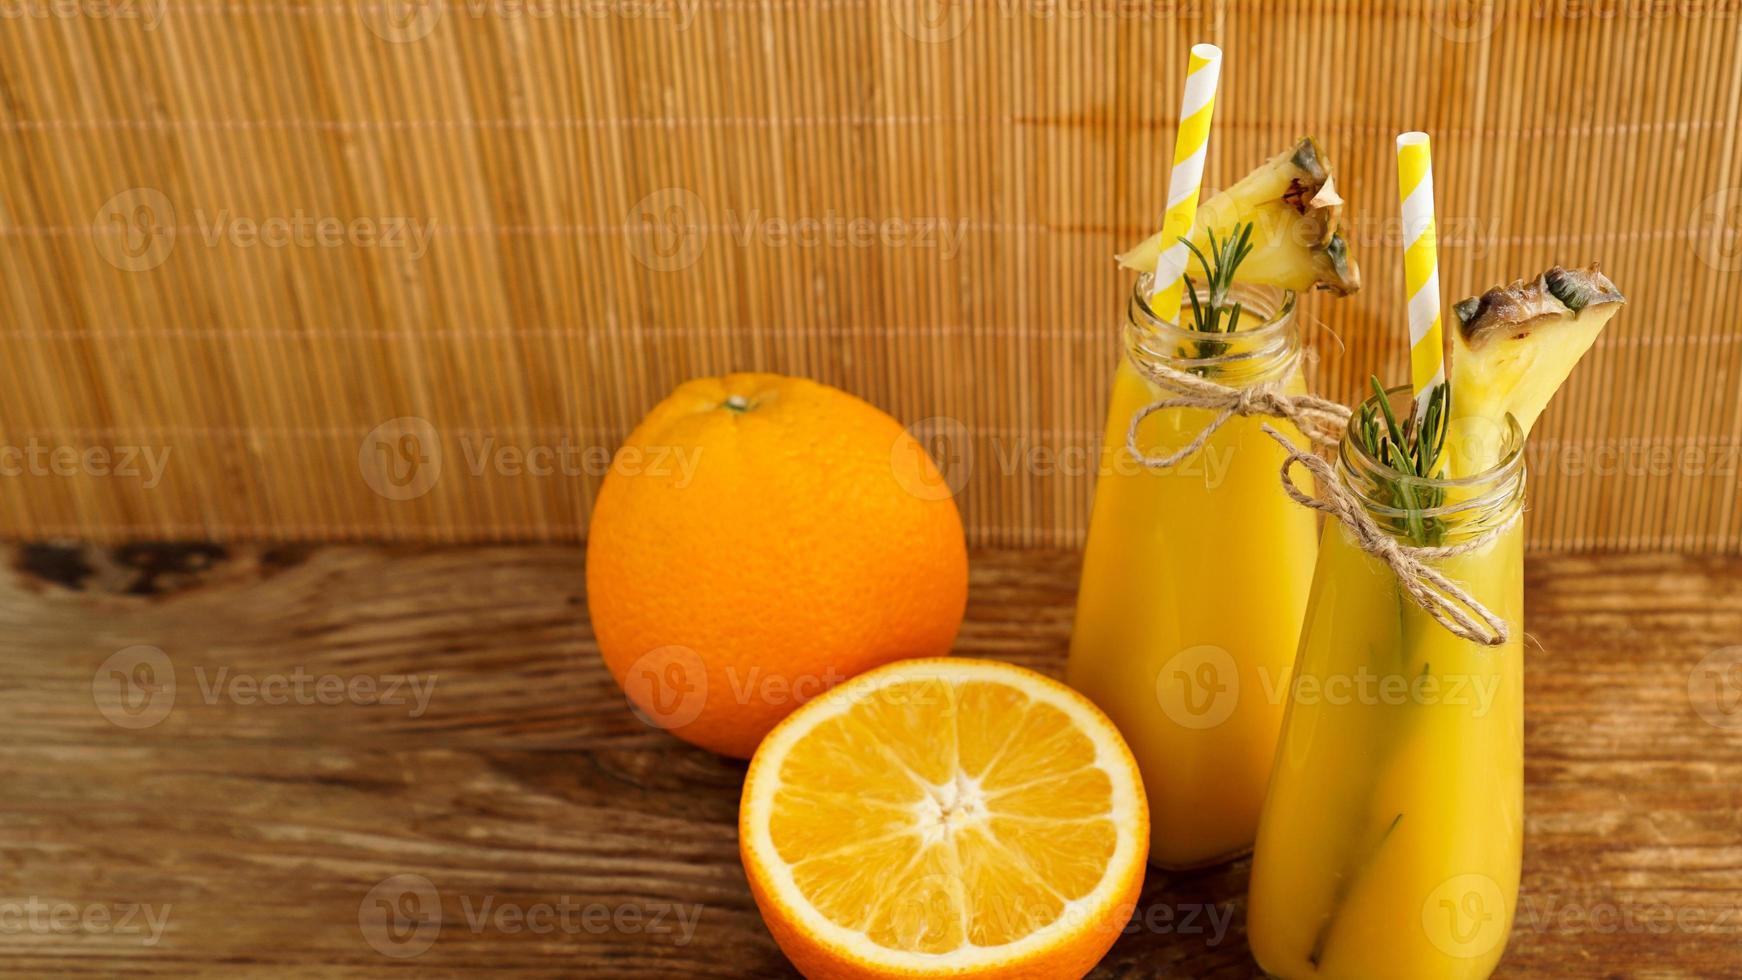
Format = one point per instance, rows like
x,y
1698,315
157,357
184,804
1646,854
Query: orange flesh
x,y
938,815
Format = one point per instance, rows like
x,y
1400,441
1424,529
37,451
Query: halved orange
x,y
947,817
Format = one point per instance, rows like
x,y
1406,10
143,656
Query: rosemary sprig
x,y
1317,954
1413,448
1208,315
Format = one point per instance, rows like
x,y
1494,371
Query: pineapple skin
x,y
1292,203
1513,348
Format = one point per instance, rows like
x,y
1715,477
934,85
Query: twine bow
x,y
1319,419
1447,602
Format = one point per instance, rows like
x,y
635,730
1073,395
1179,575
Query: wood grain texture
x,y
256,831
249,234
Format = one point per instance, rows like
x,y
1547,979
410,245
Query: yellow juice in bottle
x,y
1394,822
1194,581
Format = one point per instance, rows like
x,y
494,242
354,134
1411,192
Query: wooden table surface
x,y
258,814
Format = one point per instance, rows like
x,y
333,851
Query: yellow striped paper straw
x,y
1190,147
1421,267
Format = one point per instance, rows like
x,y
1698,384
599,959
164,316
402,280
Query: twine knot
x,y
1264,399
1452,606
1319,419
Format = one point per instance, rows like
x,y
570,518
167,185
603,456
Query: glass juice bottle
x,y
1391,835
1194,580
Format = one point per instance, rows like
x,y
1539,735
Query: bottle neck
x,y
1264,347
1434,512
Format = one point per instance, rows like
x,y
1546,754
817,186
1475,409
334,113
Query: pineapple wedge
x,y
1513,348
1291,201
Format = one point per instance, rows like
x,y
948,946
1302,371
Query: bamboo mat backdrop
x,y
509,225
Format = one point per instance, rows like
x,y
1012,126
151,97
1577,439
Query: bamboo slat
x,y
271,254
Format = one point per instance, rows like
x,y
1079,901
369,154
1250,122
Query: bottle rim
x,y
1497,485
1272,339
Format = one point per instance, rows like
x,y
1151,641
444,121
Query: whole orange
x,y
759,539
